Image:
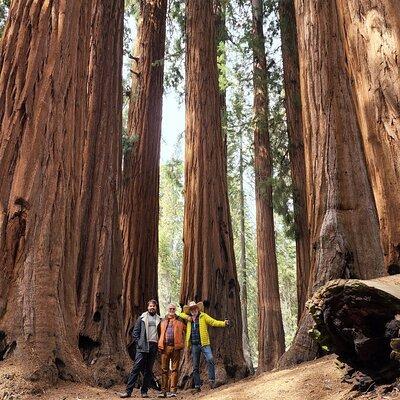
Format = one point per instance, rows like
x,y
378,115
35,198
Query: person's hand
x,y
227,322
190,319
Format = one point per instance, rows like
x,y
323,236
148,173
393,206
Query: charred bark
x,y
141,170
359,321
209,270
291,77
271,337
335,166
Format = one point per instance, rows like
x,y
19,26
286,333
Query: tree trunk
x,y
141,171
209,270
243,266
371,36
220,37
291,77
365,337
335,166
271,338
43,69
99,280
60,242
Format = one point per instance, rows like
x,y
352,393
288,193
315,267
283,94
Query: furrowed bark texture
x,y
99,283
43,66
141,171
335,166
371,35
271,337
209,270
60,102
291,77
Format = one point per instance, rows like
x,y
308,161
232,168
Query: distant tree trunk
x,y
335,166
371,35
209,270
99,280
221,35
271,337
141,170
291,79
243,266
42,117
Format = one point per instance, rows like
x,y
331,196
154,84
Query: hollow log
x,y
359,321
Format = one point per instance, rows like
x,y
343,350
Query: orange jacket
x,y
179,333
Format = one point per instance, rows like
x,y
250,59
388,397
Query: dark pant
x,y
196,351
143,364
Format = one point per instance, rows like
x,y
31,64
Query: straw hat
x,y
192,304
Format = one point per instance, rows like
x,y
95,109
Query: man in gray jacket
x,y
145,336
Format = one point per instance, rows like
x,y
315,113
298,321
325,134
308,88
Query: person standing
x,y
198,340
145,335
170,344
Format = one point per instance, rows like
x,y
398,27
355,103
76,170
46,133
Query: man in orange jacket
x,y
170,344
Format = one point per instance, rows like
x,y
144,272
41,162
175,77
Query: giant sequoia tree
x,y
209,270
336,171
271,338
371,39
99,280
291,77
141,171
49,309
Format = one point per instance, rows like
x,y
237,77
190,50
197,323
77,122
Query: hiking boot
x,y
171,394
196,390
125,395
162,395
214,385
145,396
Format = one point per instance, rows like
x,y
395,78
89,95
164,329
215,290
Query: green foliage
x,y
170,232
4,7
128,142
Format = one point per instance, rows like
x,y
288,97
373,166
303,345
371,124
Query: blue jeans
x,y
197,349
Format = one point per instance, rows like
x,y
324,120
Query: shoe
x,y
125,395
162,395
171,394
196,390
145,396
214,385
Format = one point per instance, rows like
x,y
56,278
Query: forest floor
x,y
316,380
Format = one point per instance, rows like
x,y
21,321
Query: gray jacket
x,y
139,333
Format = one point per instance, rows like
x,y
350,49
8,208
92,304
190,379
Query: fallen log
x,y
360,322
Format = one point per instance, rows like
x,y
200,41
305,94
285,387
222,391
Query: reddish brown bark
x,y
42,109
59,285
99,281
271,337
209,270
291,77
371,35
141,171
335,166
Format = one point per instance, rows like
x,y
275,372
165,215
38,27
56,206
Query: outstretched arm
x,y
185,316
214,322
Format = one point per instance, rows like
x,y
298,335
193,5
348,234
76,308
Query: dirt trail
x,y
316,380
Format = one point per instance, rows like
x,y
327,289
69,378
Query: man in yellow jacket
x,y
198,340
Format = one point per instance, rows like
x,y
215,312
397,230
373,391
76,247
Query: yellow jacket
x,y
204,321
